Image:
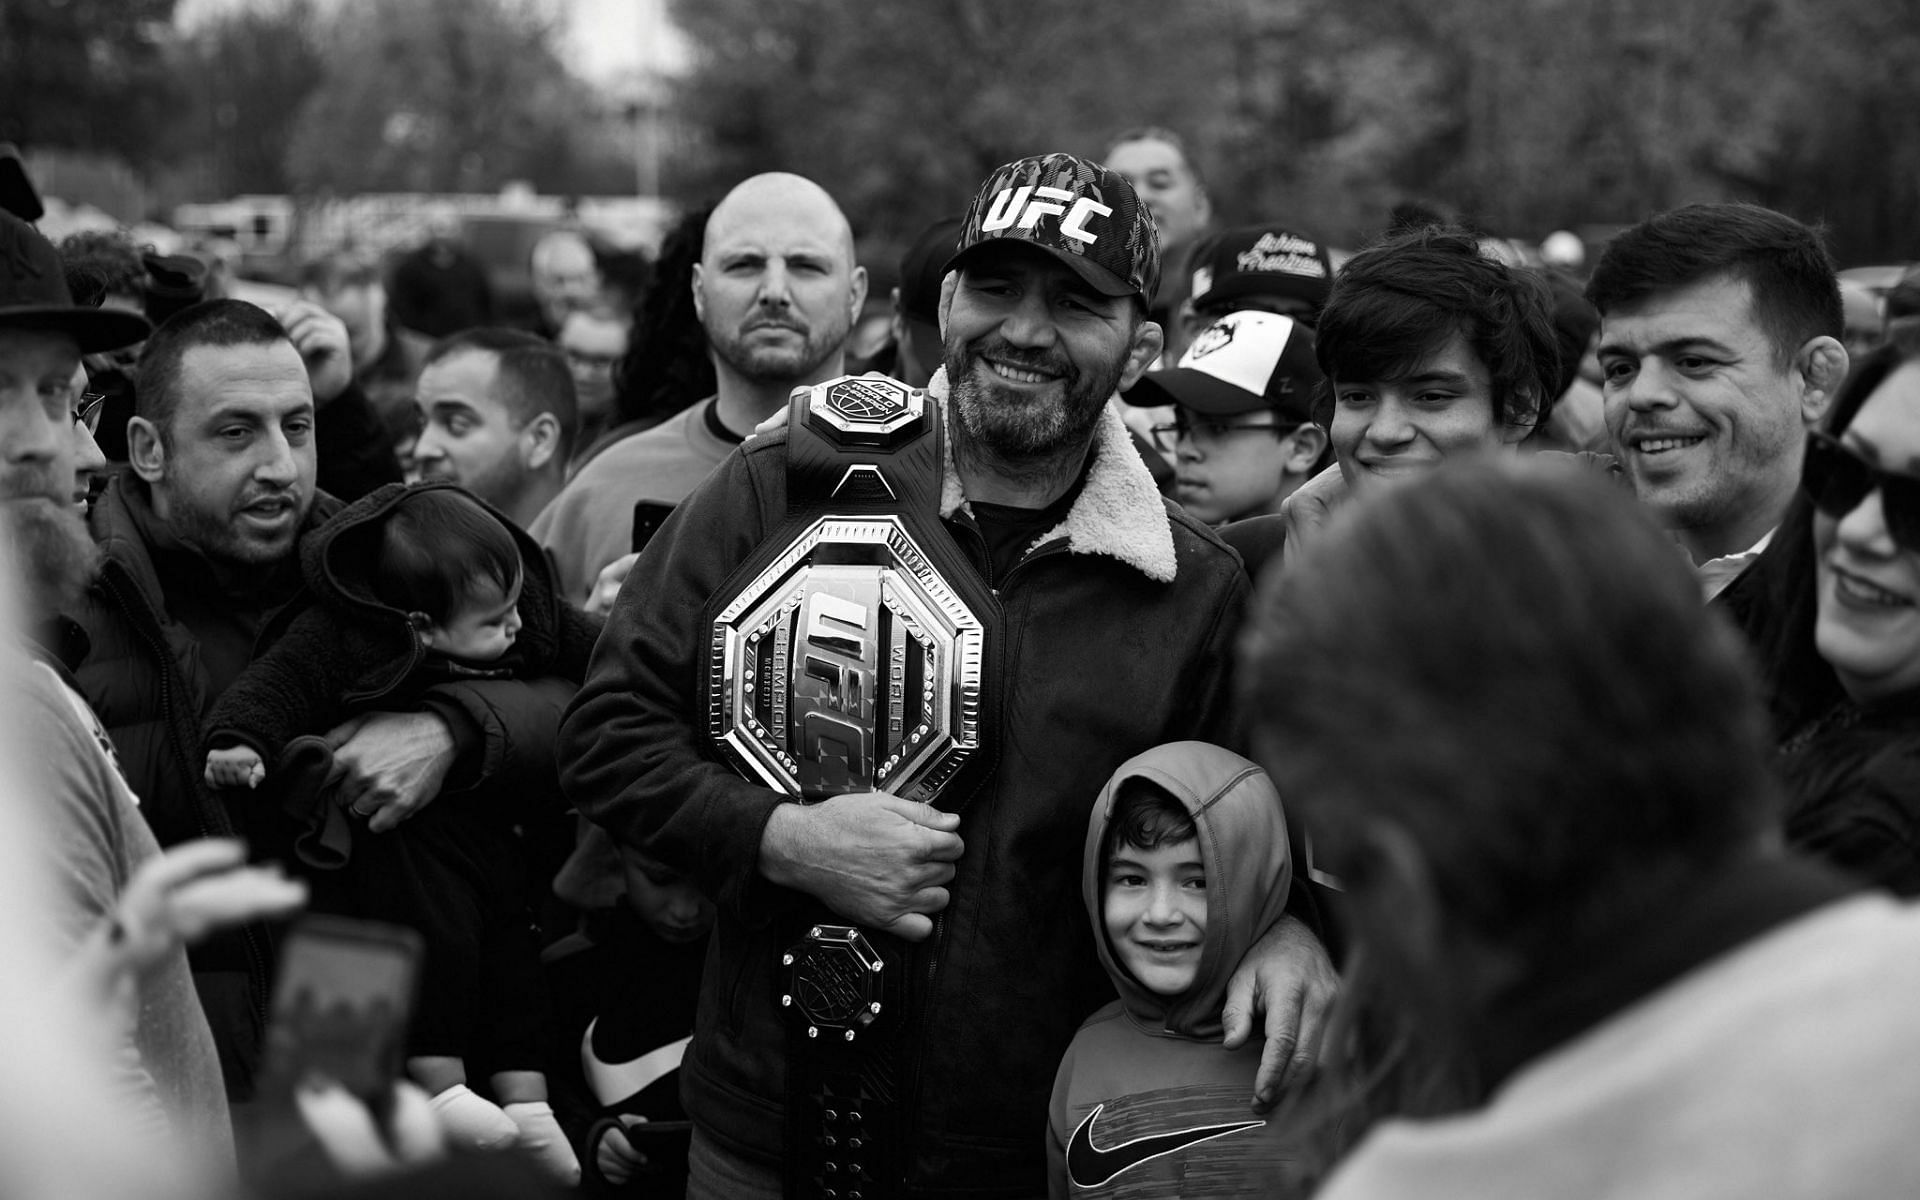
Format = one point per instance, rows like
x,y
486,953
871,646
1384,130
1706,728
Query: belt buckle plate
x,y
833,982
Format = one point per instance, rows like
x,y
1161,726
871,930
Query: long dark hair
x,y
1800,684
666,367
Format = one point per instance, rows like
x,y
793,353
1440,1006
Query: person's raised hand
x,y
321,339
871,857
606,586
188,891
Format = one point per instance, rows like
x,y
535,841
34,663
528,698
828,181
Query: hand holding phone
x,y
341,1008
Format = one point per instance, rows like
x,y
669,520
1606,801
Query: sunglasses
x,y
1837,480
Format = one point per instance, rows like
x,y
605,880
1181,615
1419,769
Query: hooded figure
x,y
1147,1102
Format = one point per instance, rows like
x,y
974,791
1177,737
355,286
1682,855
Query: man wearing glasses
x,y
1720,331
1242,438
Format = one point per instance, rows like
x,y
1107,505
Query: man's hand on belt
x,y
873,858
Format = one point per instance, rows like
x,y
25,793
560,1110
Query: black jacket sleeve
x,y
294,688
504,731
633,749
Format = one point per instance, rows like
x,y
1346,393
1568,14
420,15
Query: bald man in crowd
x,y
777,289
566,277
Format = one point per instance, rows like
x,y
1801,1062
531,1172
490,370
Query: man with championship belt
x,y
939,621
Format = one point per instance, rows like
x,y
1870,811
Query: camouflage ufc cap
x,y
1078,211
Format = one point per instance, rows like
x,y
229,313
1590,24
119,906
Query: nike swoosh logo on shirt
x,y
1090,1166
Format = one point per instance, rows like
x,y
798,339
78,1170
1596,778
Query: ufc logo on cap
x,y
1024,206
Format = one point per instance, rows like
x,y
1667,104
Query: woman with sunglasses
x,y
1838,630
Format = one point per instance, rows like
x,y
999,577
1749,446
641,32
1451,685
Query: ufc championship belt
x,y
848,654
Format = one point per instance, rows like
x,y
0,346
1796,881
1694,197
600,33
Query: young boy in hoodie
x,y
1186,866
415,585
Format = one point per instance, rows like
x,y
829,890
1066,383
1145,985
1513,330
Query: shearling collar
x,y
1119,512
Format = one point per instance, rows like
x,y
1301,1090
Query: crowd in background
x,y
1523,645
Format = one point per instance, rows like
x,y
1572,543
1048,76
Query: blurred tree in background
x,y
900,109
1527,115
250,71
436,96
88,75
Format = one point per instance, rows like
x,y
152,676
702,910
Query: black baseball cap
x,y
1263,261
1078,211
1243,362
34,295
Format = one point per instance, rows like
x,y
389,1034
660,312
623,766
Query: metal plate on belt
x,y
848,665
866,410
833,981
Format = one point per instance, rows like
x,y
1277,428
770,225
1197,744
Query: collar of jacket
x,y
117,534
1119,512
116,531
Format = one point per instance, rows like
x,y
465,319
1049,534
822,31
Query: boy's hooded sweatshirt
x,y
1147,1104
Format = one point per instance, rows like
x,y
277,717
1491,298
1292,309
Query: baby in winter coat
x,y
416,585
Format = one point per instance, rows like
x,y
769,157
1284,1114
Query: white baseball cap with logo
x,y
1243,362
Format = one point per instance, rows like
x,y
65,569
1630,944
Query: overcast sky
x,y
605,38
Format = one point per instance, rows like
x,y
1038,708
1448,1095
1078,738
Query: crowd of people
x,y
1438,724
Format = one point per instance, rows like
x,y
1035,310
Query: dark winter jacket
x,y
1116,634
352,652
146,680
1853,780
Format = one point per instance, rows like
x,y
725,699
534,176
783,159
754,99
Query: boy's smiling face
x,y
1156,913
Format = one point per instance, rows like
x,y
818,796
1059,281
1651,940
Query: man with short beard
x,y
199,575
777,290
94,837
1116,613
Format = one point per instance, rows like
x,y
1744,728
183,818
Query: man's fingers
x,y
911,927
191,860
930,900
942,847
1310,1046
416,1131
933,874
1276,1056
1236,1015
344,1127
1281,1050
234,898
388,817
924,814
343,733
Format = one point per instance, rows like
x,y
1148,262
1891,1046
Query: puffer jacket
x,y
1116,633
144,678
